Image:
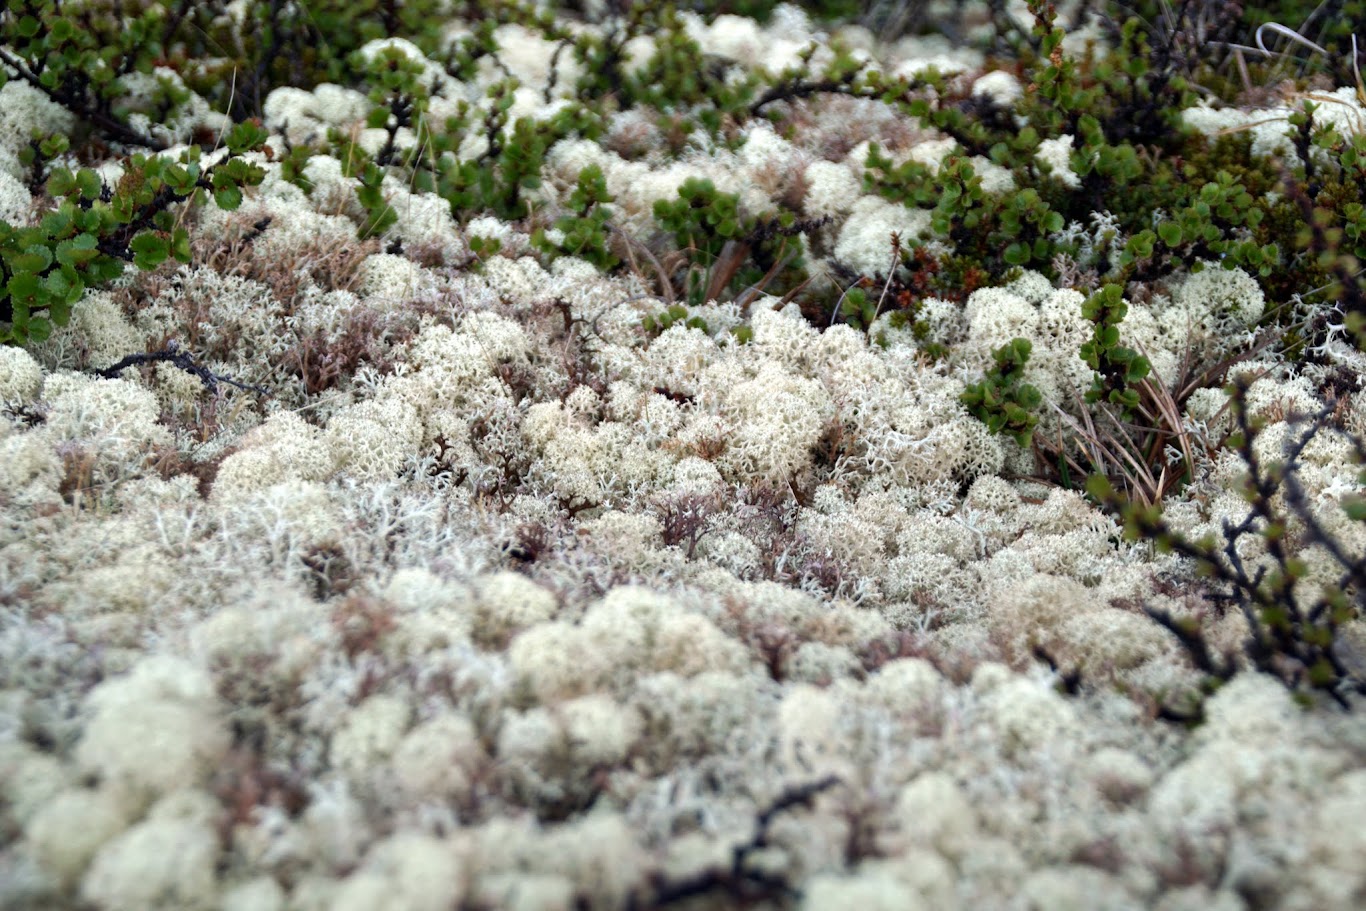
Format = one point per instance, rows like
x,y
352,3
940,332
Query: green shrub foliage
x,y
585,229
1116,368
1003,401
93,230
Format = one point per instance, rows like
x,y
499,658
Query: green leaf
x,y
62,182
1322,673
59,309
1125,398
180,245
58,284
39,329
228,198
89,183
149,250
1170,232
1099,487
79,249
23,287
61,30
35,259
1138,369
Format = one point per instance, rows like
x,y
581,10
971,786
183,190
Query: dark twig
x,y
182,359
83,107
1288,638
738,880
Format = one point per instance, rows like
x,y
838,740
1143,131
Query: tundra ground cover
x,y
541,458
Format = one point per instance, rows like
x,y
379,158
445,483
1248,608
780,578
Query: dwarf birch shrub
x,y
84,62
1293,631
1198,197
583,232
1001,400
95,229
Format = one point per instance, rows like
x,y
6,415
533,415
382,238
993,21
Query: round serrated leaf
x,y
23,286
39,329
180,245
34,259
1126,398
89,183
58,284
61,182
59,311
149,250
77,250
228,198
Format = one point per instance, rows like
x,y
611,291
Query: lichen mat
x,y
499,456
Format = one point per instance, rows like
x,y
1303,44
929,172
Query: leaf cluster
x,y
235,54
1117,368
676,314
94,229
1177,197
702,218
585,229
82,59
1002,400
722,249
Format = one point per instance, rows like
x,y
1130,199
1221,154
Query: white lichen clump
x,y
20,376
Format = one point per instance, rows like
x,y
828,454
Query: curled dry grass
x,y
333,267
1148,458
